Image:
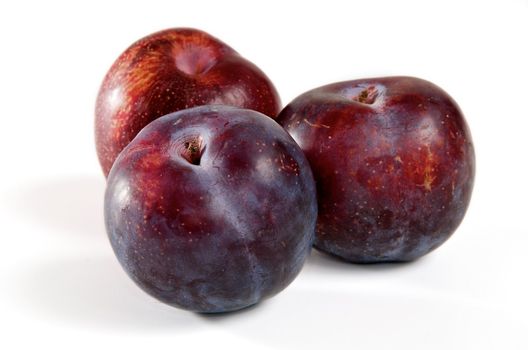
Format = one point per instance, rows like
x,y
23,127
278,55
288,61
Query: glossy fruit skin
x,y
212,208
394,165
169,71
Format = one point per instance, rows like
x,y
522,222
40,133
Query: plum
x,y
212,208
394,165
169,71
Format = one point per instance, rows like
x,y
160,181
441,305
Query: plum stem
x,y
367,96
192,151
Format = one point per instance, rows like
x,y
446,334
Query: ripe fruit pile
x,y
211,205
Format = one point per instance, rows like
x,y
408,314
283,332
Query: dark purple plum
x,y
393,162
211,209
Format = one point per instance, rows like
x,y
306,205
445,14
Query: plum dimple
x,y
211,209
394,165
194,59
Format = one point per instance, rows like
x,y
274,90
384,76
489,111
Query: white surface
x,y
60,285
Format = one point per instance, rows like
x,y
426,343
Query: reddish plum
x,y
393,162
169,71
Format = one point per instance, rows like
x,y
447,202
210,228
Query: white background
x,y
60,285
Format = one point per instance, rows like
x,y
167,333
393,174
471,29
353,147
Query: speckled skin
x,y
168,71
212,208
393,162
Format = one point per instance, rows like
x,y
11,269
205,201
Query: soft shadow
x,y
320,261
218,317
316,318
94,293
73,205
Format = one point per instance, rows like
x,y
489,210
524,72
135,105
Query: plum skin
x,y
171,70
211,209
394,165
